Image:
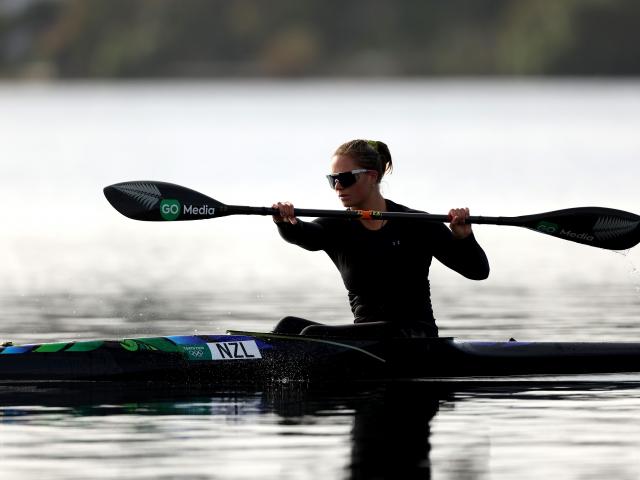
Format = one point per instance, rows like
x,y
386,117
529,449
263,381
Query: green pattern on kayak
x,y
158,343
85,346
50,347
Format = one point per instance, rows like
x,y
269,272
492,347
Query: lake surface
x,y
74,268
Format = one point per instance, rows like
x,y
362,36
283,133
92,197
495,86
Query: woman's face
x,y
359,193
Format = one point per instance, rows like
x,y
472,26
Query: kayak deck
x,y
257,358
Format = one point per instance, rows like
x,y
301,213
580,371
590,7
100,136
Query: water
x,y
395,431
73,268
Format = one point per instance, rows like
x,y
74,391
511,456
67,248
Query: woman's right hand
x,y
286,213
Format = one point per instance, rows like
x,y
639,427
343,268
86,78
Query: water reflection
x,y
387,427
391,434
390,425
397,430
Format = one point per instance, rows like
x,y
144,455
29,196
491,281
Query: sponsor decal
x,y
586,237
202,210
169,209
548,227
196,352
556,230
240,350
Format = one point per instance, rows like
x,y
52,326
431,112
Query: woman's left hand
x,y
457,217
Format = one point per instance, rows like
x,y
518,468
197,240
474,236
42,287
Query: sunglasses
x,y
346,179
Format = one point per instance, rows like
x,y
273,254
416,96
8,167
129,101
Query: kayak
x,y
254,358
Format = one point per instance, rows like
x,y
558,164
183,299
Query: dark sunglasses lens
x,y
346,179
332,181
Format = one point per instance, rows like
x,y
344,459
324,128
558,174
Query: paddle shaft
x,y
367,215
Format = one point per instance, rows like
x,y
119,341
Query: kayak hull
x,y
258,358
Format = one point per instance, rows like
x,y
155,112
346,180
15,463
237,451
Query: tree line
x,y
317,38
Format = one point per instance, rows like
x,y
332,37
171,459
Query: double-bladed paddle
x,y
160,201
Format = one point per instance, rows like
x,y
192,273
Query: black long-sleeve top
x,y
386,271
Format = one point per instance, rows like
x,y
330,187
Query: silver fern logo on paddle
x,y
170,209
146,194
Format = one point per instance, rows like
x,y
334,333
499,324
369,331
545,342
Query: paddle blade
x,y
151,201
593,226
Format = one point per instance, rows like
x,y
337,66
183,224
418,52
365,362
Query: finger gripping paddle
x,y
160,201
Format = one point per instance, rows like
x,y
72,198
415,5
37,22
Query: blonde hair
x,y
369,154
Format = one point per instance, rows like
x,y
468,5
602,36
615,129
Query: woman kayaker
x,y
384,263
